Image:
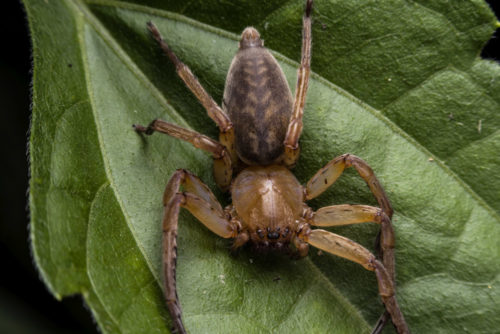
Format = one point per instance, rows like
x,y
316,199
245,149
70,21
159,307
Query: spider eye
x,y
260,233
273,235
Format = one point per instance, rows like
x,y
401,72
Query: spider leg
x,y
222,160
202,204
348,249
291,142
226,135
327,175
347,214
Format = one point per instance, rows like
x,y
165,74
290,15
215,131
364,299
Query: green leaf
x,y
397,83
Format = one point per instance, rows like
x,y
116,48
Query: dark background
x,y
26,306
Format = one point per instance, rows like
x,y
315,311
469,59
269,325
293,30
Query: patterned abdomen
x,y
259,103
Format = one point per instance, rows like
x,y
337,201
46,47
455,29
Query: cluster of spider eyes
x,y
273,235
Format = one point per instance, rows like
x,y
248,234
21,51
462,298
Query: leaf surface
x,y
395,83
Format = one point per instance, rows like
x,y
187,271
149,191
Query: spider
x,y
260,125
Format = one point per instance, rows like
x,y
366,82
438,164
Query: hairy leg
x,y
222,160
348,249
327,175
292,148
226,131
347,214
202,204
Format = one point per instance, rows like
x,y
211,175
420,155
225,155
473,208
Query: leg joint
x,y
181,174
348,159
180,197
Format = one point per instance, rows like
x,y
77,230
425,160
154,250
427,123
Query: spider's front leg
x,y
346,248
200,201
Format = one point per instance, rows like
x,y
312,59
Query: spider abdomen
x,y
258,101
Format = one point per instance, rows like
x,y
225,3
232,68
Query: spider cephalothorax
x,y
268,203
260,125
